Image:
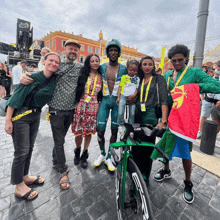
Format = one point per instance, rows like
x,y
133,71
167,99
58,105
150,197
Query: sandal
x,y
25,196
37,181
64,181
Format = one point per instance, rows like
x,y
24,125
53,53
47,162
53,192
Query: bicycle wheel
x,y
137,200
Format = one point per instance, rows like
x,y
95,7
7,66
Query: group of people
x,y
73,93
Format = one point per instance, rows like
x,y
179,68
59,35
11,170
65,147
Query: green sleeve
x,y
206,82
19,96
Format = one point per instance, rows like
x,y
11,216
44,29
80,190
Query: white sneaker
x,y
98,161
199,135
109,164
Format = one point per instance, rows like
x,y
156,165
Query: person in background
x,y
32,68
17,72
22,122
85,117
44,52
5,78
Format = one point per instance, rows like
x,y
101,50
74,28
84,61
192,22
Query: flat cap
x,y
71,41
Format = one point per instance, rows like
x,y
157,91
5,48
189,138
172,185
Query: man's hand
x,y
25,80
2,92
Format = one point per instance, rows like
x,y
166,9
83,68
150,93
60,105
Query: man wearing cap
x,y
111,75
17,72
61,107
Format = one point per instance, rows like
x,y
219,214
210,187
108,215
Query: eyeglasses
x,y
177,60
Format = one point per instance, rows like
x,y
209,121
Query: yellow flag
x,y
161,65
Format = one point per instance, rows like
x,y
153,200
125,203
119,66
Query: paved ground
x,y
91,194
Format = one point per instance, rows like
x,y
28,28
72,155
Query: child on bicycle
x,y
128,89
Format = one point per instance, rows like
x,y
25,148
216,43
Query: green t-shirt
x,y
41,97
193,75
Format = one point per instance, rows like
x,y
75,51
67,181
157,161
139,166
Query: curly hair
x,y
178,49
140,71
131,62
84,74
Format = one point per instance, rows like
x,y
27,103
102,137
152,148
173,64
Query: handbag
x,y
158,109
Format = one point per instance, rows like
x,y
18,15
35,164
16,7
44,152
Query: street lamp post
x,y
200,33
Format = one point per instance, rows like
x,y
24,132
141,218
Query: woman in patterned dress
x,y
84,122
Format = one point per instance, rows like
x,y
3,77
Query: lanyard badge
x,y
143,108
88,98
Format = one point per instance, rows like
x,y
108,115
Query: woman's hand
x,y
9,127
25,80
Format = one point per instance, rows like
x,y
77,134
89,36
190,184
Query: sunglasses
x,y
177,60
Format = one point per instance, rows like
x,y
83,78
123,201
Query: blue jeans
x,y
121,110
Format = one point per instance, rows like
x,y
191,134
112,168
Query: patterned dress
x,y
85,117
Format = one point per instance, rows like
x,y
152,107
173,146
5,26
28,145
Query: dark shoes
x,y
162,174
77,156
84,158
188,192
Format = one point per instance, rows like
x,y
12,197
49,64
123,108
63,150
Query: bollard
x,y
208,139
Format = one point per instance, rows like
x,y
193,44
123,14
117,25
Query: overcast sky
x,y
143,24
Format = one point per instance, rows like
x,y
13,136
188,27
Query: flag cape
x,y
184,117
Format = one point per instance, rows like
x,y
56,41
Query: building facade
x,y
56,40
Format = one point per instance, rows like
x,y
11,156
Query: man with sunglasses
x,y
180,75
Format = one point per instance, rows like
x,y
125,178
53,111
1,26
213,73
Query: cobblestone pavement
x,y
91,194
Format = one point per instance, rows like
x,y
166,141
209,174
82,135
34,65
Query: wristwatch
x,y
164,122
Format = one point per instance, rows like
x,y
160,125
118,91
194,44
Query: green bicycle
x,y
132,198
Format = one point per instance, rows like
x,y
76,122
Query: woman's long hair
x,y
83,77
140,71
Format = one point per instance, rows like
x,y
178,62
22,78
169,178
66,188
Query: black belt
x,y
211,100
55,111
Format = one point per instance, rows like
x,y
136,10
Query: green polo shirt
x,y
41,97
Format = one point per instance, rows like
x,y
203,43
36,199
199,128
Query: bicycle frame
x,y
124,161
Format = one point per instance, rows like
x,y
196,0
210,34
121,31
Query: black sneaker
x,y
162,174
77,156
188,192
84,158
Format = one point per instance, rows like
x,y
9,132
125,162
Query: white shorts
x,y
206,108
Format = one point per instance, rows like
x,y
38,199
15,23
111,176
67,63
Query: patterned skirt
x,y
85,118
